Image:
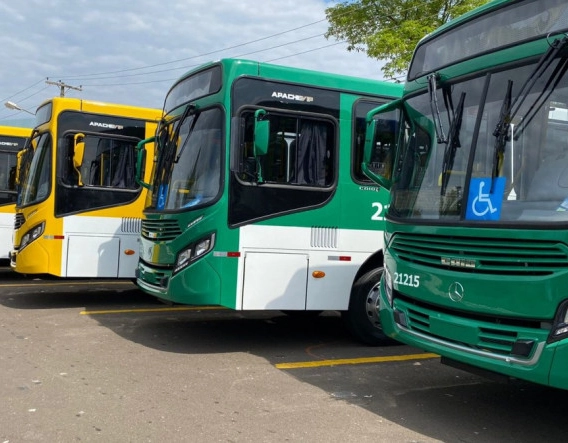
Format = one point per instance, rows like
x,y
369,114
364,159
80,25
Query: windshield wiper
x,y
509,111
501,132
189,110
440,136
27,153
549,87
453,143
163,146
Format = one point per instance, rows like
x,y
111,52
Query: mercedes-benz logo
x,y
456,291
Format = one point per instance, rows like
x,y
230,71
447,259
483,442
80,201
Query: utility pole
x,y
62,86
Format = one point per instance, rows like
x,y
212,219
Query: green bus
x,y
476,237
258,200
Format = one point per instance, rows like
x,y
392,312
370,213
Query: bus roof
x,y
15,131
238,67
77,104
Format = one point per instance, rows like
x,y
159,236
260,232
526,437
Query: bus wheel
x,y
362,317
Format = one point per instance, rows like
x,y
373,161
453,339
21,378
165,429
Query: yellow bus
x,y
79,205
12,141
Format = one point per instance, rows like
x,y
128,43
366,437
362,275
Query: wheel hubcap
x,y
372,305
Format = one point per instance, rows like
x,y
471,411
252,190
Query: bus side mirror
x,y
261,133
380,143
140,161
370,137
19,157
78,154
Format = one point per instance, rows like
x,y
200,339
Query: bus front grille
x,y
160,230
482,255
500,336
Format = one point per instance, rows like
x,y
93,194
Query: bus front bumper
x,y
151,281
33,259
456,338
198,284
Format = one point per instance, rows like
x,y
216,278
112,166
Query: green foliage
x,y
388,30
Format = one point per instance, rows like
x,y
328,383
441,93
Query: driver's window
x,y
107,163
301,151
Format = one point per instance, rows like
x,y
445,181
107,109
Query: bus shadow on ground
x,y
217,330
437,401
35,294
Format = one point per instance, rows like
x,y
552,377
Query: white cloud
x,y
132,51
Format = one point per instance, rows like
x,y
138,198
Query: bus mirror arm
x,y
369,141
261,140
377,178
78,154
140,157
235,153
261,133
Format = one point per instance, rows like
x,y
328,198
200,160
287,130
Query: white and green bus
x,y
476,236
258,200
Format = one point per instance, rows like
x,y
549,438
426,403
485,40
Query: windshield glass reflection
x,y
188,170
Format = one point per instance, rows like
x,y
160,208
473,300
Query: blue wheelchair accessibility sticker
x,y
162,195
482,204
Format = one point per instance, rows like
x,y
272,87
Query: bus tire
x,y
362,317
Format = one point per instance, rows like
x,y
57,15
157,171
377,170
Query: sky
x,y
132,51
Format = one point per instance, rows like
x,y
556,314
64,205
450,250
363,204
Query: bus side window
x,y
313,159
300,152
248,163
275,159
109,163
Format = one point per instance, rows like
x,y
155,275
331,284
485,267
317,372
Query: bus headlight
x,y
194,251
32,235
388,285
559,329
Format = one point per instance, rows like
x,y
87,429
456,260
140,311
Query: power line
x,y
131,83
110,73
185,68
305,52
167,63
214,51
19,92
199,55
62,86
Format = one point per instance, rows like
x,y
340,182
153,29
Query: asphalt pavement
x,y
87,360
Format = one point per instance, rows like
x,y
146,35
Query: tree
x,y
389,29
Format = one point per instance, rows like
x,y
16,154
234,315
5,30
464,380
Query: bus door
x,y
98,175
293,171
8,193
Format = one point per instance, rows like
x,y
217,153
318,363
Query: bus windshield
x,y
189,160
8,160
470,176
36,171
